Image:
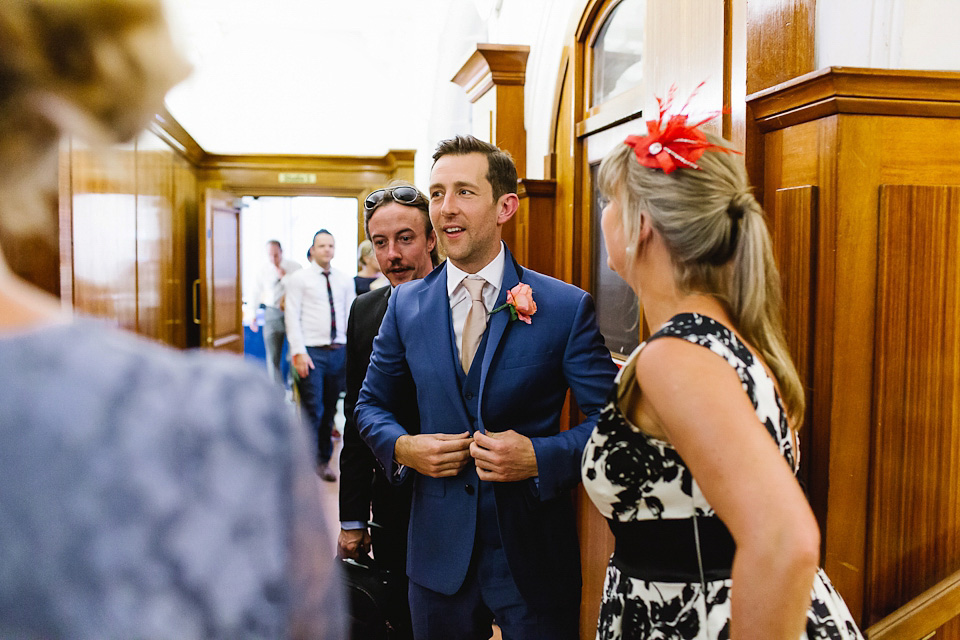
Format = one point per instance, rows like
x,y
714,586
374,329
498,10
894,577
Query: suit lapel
x,y
435,328
499,322
380,309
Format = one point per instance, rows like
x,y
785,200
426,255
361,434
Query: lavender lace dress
x,y
644,489
148,493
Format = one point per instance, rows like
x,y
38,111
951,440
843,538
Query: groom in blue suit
x,y
492,529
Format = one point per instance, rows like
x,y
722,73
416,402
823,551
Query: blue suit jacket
x,y
526,371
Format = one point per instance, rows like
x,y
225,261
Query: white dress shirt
x,y
307,307
460,302
269,288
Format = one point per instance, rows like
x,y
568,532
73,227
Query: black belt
x,y
330,347
666,550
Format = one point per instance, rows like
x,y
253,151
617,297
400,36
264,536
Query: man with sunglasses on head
x,y
317,300
397,222
492,524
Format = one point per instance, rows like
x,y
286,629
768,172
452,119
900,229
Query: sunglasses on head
x,y
402,194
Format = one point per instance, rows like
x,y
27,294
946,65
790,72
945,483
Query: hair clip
x,y
675,145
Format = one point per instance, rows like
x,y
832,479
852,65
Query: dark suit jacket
x,y
525,373
362,481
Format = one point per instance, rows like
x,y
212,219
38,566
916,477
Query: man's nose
x,y
449,204
393,251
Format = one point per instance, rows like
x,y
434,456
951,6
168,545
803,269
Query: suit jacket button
x,y
469,489
469,395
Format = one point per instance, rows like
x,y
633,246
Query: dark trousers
x,y
488,595
316,391
274,333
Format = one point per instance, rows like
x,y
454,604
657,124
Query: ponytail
x,y
717,236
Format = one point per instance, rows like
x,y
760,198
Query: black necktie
x,y
333,313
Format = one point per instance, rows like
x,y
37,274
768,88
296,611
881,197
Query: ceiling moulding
x,y
492,65
388,162
172,133
166,127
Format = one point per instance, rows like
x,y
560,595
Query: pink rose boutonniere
x,y
520,303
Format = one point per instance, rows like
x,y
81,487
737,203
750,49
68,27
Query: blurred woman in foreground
x,y
144,493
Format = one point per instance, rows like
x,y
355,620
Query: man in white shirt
x,y
318,300
268,293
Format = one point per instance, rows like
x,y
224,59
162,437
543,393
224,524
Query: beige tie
x,y
475,325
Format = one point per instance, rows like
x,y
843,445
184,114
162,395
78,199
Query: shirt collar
x,y
492,273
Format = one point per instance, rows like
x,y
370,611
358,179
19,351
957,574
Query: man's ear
x,y
507,205
431,240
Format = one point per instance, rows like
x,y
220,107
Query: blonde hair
x,y
97,69
364,251
716,234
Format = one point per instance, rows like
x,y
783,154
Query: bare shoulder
x,y
669,366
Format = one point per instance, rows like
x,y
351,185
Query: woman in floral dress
x,y
694,460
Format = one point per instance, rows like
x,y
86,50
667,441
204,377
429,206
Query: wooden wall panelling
x,y
879,367
803,255
103,202
538,198
264,175
927,614
780,41
65,222
184,157
596,547
794,230
186,266
915,474
34,255
154,238
493,78
852,357
564,173
596,541
498,70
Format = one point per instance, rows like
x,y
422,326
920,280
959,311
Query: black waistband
x,y
330,347
666,550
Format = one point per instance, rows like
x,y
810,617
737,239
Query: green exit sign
x,y
298,178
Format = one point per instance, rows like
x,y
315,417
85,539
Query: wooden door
x,y
218,289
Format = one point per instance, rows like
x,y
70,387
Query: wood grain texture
x,y
154,238
565,170
219,291
104,217
915,473
793,226
884,351
35,256
494,74
933,611
780,41
596,547
65,222
855,90
538,205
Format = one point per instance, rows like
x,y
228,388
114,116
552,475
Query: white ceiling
x,y
338,77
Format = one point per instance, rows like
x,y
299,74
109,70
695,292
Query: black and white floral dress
x,y
636,480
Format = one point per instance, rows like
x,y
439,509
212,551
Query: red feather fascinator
x,y
676,144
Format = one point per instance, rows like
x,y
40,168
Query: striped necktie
x,y
333,312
